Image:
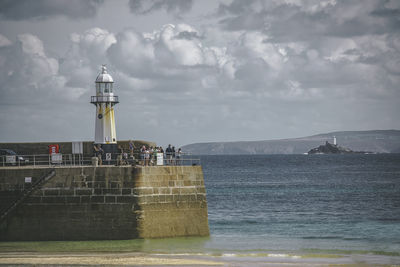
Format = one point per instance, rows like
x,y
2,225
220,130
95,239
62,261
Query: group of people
x,y
173,157
149,155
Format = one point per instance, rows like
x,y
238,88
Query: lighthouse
x,y
104,100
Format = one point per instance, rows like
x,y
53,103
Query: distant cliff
x,y
378,141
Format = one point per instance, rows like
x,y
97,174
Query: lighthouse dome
x,y
104,77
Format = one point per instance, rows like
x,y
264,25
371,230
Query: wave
x,y
234,223
322,237
336,237
237,255
350,252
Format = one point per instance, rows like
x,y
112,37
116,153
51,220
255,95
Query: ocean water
x,y
288,209
304,203
297,209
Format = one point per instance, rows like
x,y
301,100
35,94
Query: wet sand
x,y
143,259
96,259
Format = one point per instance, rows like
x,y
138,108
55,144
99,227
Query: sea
x,y
285,210
333,209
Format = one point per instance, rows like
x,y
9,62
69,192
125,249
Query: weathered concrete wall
x,y
172,202
107,202
65,147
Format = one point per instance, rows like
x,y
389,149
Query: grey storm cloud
x,y
41,9
176,7
302,20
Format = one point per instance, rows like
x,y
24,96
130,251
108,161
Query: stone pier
x,y
103,203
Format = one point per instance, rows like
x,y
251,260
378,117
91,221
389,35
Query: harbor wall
x,y
105,202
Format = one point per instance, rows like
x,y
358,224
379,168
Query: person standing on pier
x,y
168,154
131,148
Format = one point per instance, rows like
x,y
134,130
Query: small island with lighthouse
x,y
334,148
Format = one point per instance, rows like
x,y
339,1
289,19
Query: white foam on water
x,y
182,254
284,256
229,255
260,255
279,255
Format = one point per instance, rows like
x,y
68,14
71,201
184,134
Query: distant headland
x,y
375,141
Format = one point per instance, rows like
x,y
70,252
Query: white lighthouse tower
x,y
104,100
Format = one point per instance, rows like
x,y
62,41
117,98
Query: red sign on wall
x,y
54,149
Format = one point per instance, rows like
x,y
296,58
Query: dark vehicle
x,y
16,160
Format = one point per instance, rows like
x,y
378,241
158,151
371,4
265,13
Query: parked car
x,y
9,152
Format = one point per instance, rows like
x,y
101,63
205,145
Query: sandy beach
x,y
95,259
142,259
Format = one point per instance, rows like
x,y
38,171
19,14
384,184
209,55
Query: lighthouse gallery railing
x,y
104,99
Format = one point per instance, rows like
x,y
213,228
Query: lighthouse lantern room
x,y
105,100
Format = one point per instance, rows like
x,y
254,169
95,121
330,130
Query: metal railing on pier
x,y
136,159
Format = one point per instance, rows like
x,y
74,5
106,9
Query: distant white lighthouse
x,y
334,140
104,100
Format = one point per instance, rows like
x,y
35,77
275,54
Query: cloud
x,y
42,9
86,53
39,98
306,20
29,72
4,41
175,7
164,53
317,44
177,60
25,65
89,47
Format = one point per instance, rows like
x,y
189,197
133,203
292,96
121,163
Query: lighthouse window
x,y
98,88
102,87
107,87
111,87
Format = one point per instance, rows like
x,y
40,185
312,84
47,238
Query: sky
x,y
189,71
